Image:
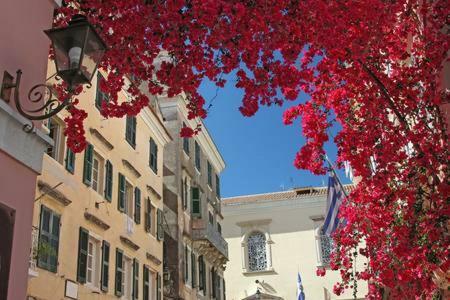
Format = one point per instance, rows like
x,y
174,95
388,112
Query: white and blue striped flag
x,y
300,293
334,201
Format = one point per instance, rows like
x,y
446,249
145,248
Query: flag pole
x,y
337,176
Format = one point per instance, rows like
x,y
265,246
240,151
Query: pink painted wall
x,y
23,46
18,188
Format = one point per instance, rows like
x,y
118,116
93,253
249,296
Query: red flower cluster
x,y
371,66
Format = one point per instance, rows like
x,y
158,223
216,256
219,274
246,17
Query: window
x,y
150,217
217,186
148,284
211,218
48,240
186,264
100,96
127,283
201,274
56,133
160,228
185,143
108,180
97,173
193,270
324,247
219,228
185,193
104,280
93,262
70,160
153,160
119,273
209,174
137,205
130,130
195,205
256,244
135,279
197,156
125,202
129,203
87,167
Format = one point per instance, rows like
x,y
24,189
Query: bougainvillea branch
x,y
372,66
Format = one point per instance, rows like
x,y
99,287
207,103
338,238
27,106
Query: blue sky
x,y
259,151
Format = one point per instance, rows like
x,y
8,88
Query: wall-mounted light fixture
x,y
78,49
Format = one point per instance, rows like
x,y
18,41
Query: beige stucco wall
x,y
291,228
48,285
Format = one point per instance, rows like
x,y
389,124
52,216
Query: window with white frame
x,y
127,282
56,133
256,251
93,262
129,200
98,164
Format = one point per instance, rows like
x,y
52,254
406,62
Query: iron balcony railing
x,y
208,232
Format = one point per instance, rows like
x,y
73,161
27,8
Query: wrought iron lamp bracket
x,y
48,109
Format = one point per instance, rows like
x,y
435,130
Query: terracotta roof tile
x,y
298,193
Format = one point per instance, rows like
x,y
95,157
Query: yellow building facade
x,y
98,221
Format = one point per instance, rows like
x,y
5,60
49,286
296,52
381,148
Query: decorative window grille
x,y
257,259
326,246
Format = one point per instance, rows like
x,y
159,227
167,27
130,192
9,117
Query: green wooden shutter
x,y
205,286
158,286
83,239
108,180
153,159
87,170
148,216
186,194
130,130
217,186
48,239
186,264
104,280
122,190
119,272
146,283
193,270
70,160
159,229
137,206
196,208
99,95
135,279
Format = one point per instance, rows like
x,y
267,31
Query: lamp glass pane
x,y
92,54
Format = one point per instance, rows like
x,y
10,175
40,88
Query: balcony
x,y
203,230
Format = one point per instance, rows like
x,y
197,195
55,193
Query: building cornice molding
x,y
156,126
204,138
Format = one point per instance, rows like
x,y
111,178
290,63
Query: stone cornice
x,y
154,192
204,138
130,167
129,242
48,190
101,138
153,258
95,220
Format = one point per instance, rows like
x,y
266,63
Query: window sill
x,y
261,272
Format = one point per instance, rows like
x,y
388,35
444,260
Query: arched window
x,y
325,246
257,258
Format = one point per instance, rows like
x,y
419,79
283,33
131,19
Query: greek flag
x,y
300,294
334,200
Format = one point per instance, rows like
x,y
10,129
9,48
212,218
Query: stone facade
x,y
272,237
195,251
104,209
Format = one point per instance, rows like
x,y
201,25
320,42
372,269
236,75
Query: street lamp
x,y
78,49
